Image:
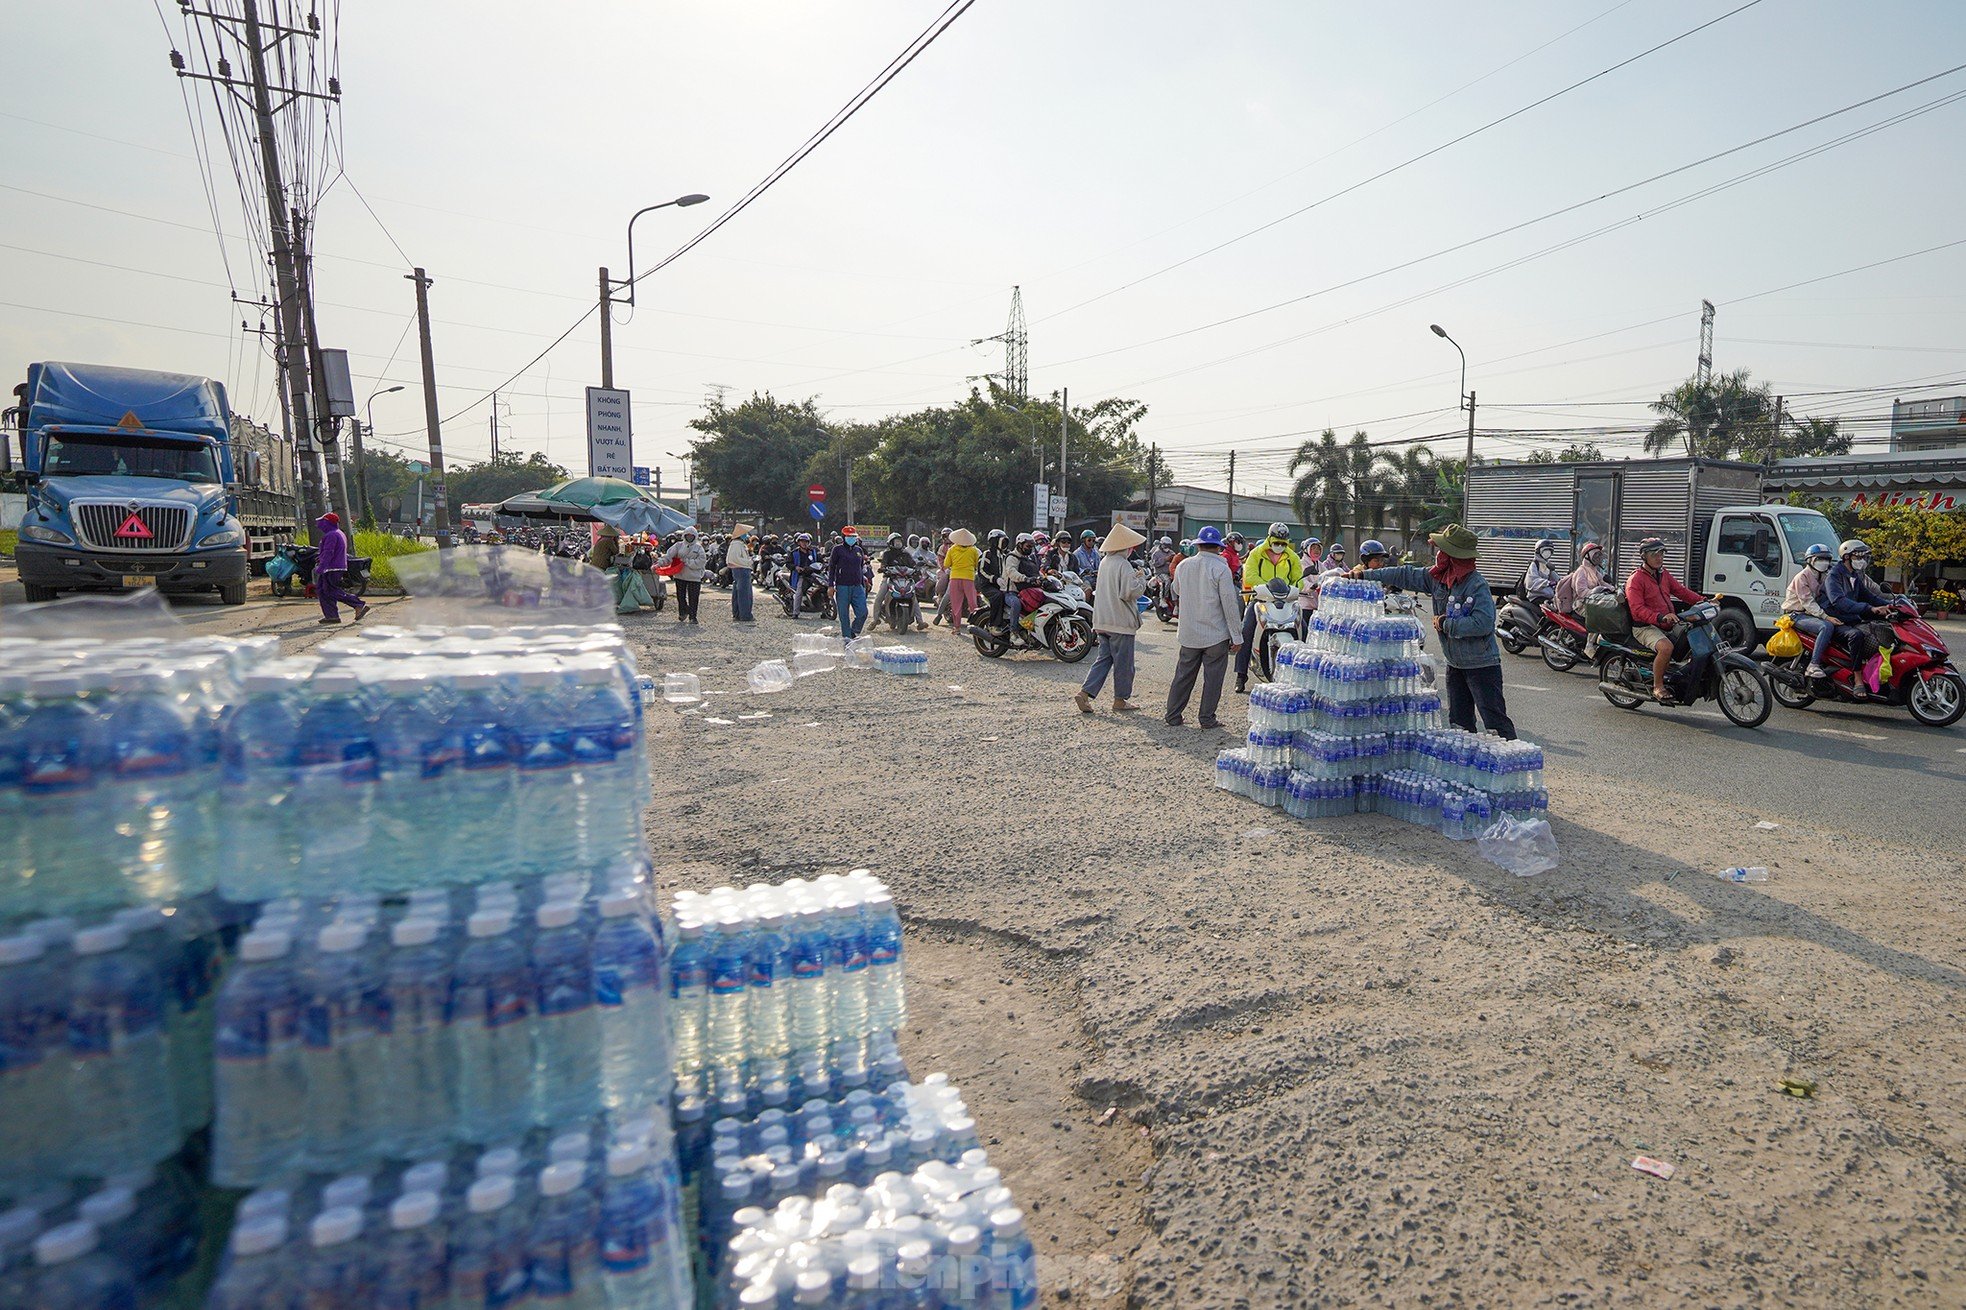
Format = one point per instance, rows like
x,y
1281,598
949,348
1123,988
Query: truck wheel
x,y
1736,629
232,593
36,592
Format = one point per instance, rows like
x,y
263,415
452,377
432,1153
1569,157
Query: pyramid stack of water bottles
x,y
334,980
1353,725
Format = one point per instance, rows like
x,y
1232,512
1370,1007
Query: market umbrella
x,y
642,518
592,493
528,505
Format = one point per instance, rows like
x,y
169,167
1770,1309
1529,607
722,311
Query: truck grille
x,y
122,526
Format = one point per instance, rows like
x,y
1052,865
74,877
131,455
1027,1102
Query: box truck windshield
x,y
1805,529
77,454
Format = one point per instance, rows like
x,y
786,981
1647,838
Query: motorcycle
x,y
1562,638
1160,597
814,598
1921,678
1061,625
898,610
1276,622
1702,669
293,566
1517,622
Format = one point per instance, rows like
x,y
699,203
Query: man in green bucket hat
x,y
1464,616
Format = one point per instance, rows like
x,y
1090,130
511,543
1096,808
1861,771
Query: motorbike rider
x,y
1162,560
1273,559
1085,560
897,555
805,564
1312,555
989,575
1650,592
1851,598
1539,580
1023,569
1580,582
1232,549
1803,603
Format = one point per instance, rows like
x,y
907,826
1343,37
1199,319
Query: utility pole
x,y
1064,426
494,427
324,420
1774,434
1153,486
1229,515
430,420
1703,373
361,511
607,335
1467,470
293,359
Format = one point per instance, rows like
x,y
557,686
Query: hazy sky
x,y
1075,147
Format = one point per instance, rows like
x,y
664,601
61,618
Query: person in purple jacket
x,y
329,566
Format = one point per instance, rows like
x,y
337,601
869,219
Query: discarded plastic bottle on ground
x,y
1754,874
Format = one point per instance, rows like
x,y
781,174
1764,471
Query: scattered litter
x,y
811,723
692,711
769,676
716,693
1645,1164
1522,846
1257,834
860,653
817,643
721,723
1755,874
955,686
805,663
775,781
986,739
1766,826
1107,1117
756,714
703,668
1796,1087
681,688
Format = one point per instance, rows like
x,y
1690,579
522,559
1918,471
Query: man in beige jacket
x,y
1210,629
1116,618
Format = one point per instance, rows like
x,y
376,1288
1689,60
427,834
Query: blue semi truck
x,y
132,480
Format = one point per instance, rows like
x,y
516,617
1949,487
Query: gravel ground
x,y
1371,1068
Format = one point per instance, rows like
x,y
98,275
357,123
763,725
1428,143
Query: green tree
x,y
1365,484
1728,415
1809,436
384,473
1908,539
756,453
1412,484
1577,452
490,481
1450,494
1320,489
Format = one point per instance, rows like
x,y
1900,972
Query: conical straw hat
x,y
1120,539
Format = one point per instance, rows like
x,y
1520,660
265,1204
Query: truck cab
x,y
1749,554
130,483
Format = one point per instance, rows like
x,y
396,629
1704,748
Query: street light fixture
x,y
688,457
362,464
611,285
1467,403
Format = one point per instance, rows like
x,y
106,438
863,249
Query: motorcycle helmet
x,y
1235,537
995,537
894,539
1818,557
1597,548
1209,536
1651,546
1041,537
1374,547
1544,548
1309,542
1280,532
1088,535
1853,547
1026,539
1337,550
1165,541
804,538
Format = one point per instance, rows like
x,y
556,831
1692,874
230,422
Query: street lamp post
x,y
361,464
689,458
611,285
1467,403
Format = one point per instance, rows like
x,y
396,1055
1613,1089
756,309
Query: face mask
x,y
1820,565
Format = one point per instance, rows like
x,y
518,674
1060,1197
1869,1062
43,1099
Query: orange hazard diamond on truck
x,y
134,528
130,422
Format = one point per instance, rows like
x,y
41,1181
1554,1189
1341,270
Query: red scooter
x,y
1561,638
1922,677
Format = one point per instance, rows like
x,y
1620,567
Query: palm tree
x,y
1727,415
1319,492
1364,487
1412,481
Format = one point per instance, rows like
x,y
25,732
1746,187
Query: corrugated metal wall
x,y
1511,507
1715,487
1655,500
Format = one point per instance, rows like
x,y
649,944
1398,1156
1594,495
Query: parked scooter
x,y
1517,621
1562,639
1702,669
292,568
1918,673
1061,625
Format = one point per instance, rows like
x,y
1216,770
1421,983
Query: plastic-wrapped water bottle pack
x,y
901,661
947,1236
122,1240
776,982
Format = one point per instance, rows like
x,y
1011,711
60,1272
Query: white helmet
x,y
1852,547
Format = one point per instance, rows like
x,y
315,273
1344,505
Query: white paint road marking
x,y
1525,686
1856,736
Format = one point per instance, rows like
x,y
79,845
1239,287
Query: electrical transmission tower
x,y
1705,371
1016,375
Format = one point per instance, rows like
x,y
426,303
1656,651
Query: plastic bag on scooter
x,y
280,568
1784,645
1524,847
1606,614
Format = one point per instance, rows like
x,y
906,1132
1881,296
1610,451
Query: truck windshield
x,y
75,454
1806,528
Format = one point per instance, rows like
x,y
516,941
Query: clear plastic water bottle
x,y
336,1269
886,994
491,1031
64,753
636,1072
849,964
414,757
72,1274
259,1086
489,1255
412,1271
159,846
339,1054
631,1234
119,1075
546,795
415,1050
689,999
563,1247
334,784
33,1058
729,979
259,751
485,838
769,998
566,1029
256,1271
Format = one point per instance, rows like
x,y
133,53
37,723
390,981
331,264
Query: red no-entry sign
x,y
815,492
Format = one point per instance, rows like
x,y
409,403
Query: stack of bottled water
x,y
1351,598
901,661
577,1217
777,984
948,1235
125,1240
526,745
348,1034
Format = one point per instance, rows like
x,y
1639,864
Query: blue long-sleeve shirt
x,y
1467,612
847,568
1848,595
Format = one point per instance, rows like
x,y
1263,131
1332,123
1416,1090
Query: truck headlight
x,y
52,536
226,537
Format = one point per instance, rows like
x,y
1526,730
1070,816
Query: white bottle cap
x,y
964,1239
414,931
266,1203
20,948
350,1190
559,1178
265,944
499,1160
413,1210
815,1287
627,1160
557,914
65,1242
260,1235
332,1227
620,903
340,936
101,939
568,1146
110,1205
491,1193
490,922
429,1176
